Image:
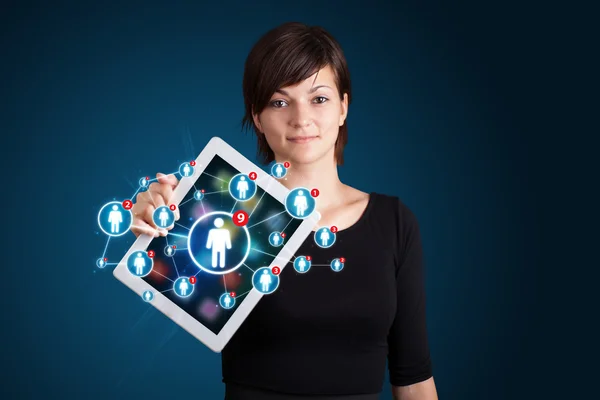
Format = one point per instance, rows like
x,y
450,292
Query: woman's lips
x,y
300,140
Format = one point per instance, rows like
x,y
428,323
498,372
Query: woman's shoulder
x,y
394,206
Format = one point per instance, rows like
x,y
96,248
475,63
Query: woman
x,y
323,335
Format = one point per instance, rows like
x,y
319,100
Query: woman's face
x,y
301,122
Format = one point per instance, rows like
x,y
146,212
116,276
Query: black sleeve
x,y
408,349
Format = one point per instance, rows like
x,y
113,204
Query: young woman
x,y
323,335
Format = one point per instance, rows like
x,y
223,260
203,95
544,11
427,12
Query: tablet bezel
x,y
217,146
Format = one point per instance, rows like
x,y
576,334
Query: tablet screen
x,y
215,270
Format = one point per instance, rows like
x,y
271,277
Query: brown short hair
x,y
284,56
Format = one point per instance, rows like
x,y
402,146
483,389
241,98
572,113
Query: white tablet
x,y
233,238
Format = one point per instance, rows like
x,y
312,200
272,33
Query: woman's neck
x,y
321,175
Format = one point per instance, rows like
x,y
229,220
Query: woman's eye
x,y
278,103
323,99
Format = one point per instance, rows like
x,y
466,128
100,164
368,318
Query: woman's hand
x,y
158,194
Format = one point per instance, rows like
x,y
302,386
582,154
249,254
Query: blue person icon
x,y
278,170
265,281
275,239
337,265
301,264
144,184
183,287
163,217
198,195
241,187
169,251
139,263
324,237
114,220
226,301
186,170
148,296
299,203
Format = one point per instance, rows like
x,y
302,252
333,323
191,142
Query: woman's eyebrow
x,y
313,89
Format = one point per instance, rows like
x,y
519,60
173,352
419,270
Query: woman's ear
x,y
257,122
343,109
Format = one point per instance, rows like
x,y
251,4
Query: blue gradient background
x,y
96,96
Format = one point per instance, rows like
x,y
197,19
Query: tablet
x,y
233,237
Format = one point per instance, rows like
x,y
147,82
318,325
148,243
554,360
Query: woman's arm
x,y
419,391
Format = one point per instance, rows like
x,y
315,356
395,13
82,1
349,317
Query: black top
x,y
330,333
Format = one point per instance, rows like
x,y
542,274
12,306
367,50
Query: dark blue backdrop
x,y
99,95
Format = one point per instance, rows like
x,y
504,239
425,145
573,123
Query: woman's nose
x,y
301,117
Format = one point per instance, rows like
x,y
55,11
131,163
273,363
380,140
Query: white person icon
x,y
218,240
115,218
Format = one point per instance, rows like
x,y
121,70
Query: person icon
x,y
301,264
226,300
278,170
265,281
139,264
218,240
324,237
186,169
182,287
169,251
275,239
163,217
101,263
337,265
299,203
242,187
115,217
198,195
147,296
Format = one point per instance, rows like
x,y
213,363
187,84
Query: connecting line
x,y
177,234
188,200
214,177
136,192
283,230
272,216
244,264
260,251
240,295
256,206
166,290
218,191
153,270
233,207
224,283
106,247
184,227
175,264
107,264
203,209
